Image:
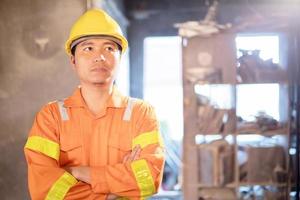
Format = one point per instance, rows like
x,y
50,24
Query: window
x,y
163,89
163,81
122,80
267,44
266,97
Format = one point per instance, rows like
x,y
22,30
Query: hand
x,y
111,197
81,173
134,155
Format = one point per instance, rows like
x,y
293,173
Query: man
x,y
96,144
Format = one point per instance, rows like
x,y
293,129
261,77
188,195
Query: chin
x,y
101,82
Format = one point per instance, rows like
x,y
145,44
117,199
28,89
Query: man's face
x,y
96,61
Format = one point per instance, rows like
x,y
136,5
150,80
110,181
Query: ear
x,y
72,61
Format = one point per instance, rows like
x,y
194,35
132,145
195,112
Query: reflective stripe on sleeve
x,y
60,188
63,111
143,177
146,139
128,111
44,146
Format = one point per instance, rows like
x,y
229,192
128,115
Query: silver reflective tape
x,y
63,111
128,111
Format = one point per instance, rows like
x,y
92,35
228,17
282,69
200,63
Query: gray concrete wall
x,y
34,70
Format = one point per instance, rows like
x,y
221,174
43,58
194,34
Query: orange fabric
x,y
97,142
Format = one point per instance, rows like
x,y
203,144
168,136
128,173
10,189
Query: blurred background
x,y
222,75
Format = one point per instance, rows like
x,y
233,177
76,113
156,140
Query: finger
x,y
126,158
129,157
137,153
132,154
111,197
68,169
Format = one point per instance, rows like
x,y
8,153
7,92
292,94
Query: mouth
x,y
100,69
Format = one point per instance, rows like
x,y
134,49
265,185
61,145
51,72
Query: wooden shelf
x,y
229,185
206,121
267,82
281,131
234,185
263,184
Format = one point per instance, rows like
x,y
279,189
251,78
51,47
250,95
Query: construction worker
x,y
97,143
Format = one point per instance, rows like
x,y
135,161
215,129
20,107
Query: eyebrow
x,y
110,42
85,43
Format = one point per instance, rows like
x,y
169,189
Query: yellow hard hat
x,y
96,22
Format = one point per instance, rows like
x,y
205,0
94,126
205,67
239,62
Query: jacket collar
x,y
116,99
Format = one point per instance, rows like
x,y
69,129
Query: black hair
x,y
73,50
119,47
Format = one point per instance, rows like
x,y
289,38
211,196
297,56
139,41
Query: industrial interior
x,y
223,76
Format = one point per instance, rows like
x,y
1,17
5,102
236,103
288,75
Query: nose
x,y
100,58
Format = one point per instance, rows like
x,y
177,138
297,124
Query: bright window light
x,y
267,44
292,151
122,80
162,81
220,95
254,98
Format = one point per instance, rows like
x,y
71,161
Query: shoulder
x,y
49,110
142,109
144,117
140,104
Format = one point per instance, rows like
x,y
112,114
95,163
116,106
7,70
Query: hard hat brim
x,y
118,39
81,39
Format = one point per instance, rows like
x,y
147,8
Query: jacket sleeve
x,y
46,180
142,177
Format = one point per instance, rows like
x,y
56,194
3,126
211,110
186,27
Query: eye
x,y
88,49
110,48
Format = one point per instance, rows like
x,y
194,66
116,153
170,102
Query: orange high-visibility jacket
x,y
65,133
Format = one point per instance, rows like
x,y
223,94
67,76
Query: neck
x,y
96,97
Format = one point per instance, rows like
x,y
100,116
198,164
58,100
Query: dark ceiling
x,y
229,10
133,5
